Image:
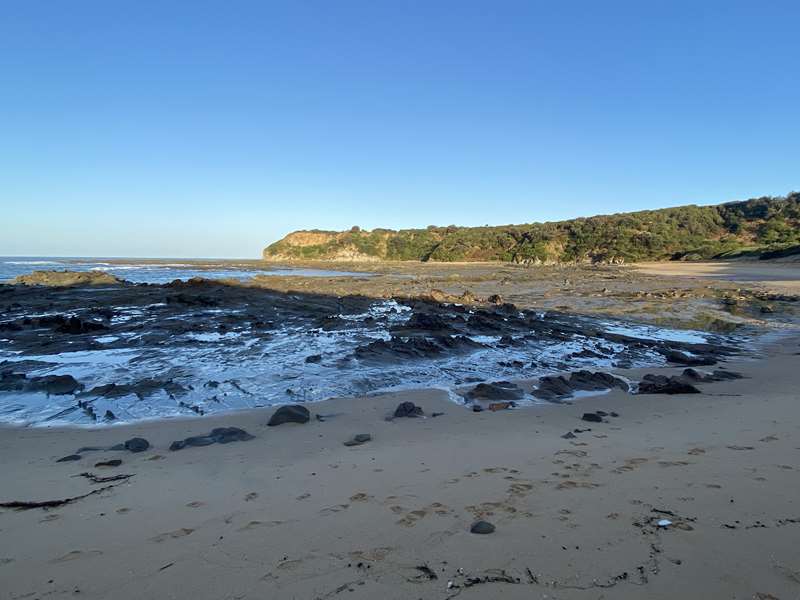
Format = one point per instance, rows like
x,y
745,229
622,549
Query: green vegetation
x,y
768,227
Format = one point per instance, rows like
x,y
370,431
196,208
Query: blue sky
x,y
206,129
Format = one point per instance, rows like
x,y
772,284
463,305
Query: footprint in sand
x,y
360,497
75,555
673,463
303,496
769,438
195,504
571,485
123,510
630,465
696,451
178,533
412,517
260,524
741,448
6,561
519,489
49,518
374,554
334,509
576,453
251,496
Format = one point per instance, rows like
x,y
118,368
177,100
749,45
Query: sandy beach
x,y
294,513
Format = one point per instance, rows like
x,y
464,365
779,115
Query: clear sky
x,y
198,128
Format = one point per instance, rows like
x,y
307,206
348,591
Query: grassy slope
x,y
686,232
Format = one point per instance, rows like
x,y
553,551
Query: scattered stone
x,y
569,436
293,413
358,439
69,458
109,463
314,358
495,406
218,435
482,528
136,444
437,414
592,417
110,416
408,409
495,299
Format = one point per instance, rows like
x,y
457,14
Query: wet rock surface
x,y
499,390
559,387
124,352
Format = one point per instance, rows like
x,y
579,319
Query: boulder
x,y
294,413
56,385
661,384
482,528
499,390
592,417
136,444
408,409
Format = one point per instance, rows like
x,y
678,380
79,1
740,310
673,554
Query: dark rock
x,y
482,528
12,382
552,388
408,409
569,436
661,384
358,439
423,322
499,390
437,414
593,381
495,299
314,358
414,348
69,458
477,408
681,358
592,417
76,326
110,416
293,413
56,385
226,435
218,435
109,463
136,444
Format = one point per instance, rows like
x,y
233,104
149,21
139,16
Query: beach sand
x,y
294,513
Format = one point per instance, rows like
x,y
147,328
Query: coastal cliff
x,y
767,227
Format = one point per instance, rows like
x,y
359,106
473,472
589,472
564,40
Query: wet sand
x,y
294,513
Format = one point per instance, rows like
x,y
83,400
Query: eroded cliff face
x,y
761,227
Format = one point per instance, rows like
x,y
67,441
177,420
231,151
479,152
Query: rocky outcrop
x,y
67,278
